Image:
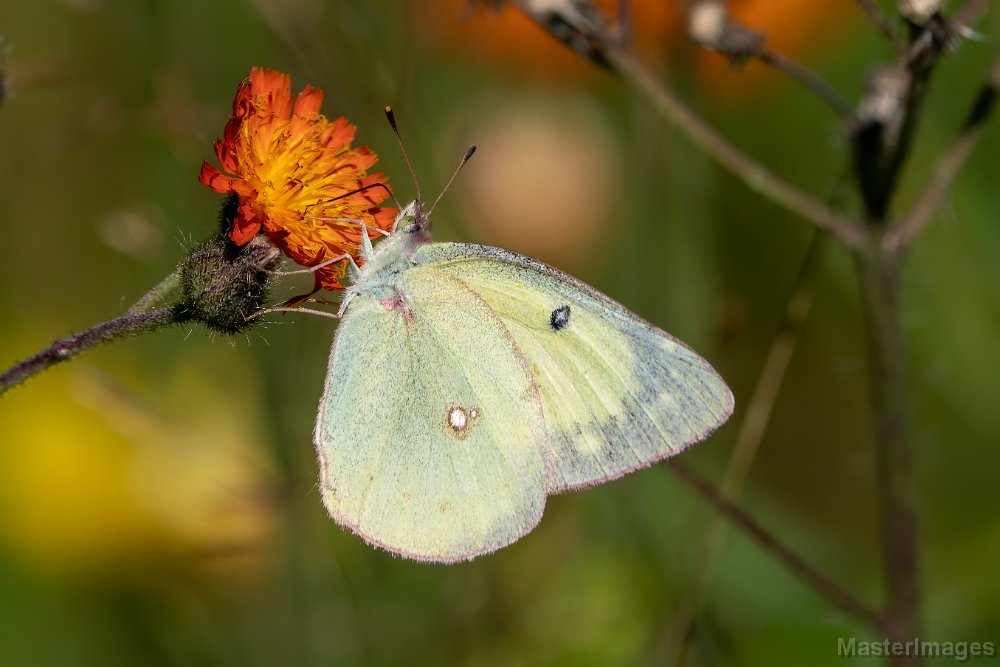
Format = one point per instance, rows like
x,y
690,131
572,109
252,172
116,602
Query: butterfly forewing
x,y
617,393
432,442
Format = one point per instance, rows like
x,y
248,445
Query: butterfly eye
x,y
406,221
559,318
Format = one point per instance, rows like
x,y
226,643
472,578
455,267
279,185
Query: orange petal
x,y
243,231
291,168
308,103
215,179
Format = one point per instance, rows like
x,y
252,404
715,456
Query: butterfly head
x,y
413,220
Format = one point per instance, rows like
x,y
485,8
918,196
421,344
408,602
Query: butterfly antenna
x,y
395,130
370,186
465,158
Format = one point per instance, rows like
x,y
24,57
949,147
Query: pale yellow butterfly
x,y
467,382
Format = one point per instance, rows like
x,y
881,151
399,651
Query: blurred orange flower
x,y
503,34
506,36
801,30
293,170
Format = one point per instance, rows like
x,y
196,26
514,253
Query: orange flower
x,y
291,167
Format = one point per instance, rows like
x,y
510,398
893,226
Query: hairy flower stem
x,y
129,324
140,318
879,283
154,296
219,284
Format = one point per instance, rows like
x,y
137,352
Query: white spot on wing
x,y
459,420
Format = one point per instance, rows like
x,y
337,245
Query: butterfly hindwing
x,y
430,434
617,393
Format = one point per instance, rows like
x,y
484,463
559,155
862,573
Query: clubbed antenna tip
x,y
391,117
465,158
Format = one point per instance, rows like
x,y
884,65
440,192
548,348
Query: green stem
x,y
949,164
804,571
136,320
156,295
879,283
758,177
812,82
63,349
886,25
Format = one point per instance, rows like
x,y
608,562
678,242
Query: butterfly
x,y
467,383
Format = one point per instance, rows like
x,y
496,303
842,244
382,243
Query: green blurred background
x,y
157,497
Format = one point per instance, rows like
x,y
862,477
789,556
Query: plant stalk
x,y
64,349
795,564
879,283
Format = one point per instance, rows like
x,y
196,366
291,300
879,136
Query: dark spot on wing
x,y
559,318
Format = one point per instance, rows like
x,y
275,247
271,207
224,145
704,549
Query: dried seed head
x,y
707,23
711,26
885,94
919,12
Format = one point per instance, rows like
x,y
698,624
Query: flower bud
x,y
224,284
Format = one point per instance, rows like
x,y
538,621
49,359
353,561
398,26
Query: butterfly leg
x,y
284,309
312,269
366,245
367,252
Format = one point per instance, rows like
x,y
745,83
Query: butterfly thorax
x,y
393,255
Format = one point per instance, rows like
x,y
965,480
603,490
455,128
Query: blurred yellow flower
x,y
111,480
